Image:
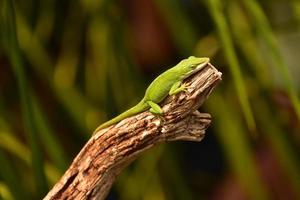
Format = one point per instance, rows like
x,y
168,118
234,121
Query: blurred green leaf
x,y
262,26
236,146
5,194
216,10
11,144
173,12
8,173
17,63
246,42
48,137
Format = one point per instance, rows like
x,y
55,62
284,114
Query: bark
x,y
110,150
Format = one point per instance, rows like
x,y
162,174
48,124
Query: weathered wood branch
x,y
110,150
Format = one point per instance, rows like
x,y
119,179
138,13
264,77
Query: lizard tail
x,y
140,107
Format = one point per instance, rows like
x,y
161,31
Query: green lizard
x,y
168,83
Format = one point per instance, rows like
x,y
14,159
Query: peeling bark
x,y
110,150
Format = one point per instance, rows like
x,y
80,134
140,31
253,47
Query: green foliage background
x,y
67,66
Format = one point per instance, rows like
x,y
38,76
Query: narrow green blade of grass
x,y
260,22
236,146
15,147
52,145
14,54
5,193
12,145
219,18
9,175
72,100
109,68
245,40
69,55
295,4
180,26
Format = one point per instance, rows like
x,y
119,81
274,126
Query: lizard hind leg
x,y
155,108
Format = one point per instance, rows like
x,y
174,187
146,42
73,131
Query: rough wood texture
x,y
110,150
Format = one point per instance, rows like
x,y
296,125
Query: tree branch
x,y
110,150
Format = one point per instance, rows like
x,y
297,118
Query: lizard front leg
x,y
177,87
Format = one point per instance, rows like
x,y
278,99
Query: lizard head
x,y
191,65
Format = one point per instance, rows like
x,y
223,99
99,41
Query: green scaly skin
x,y
168,83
